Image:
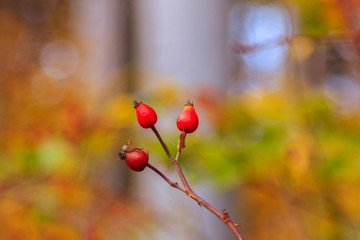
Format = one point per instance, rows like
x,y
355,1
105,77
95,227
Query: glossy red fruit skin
x,y
145,115
136,159
187,120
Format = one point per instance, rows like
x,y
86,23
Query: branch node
x,y
191,196
226,217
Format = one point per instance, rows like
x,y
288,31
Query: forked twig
x,y
223,216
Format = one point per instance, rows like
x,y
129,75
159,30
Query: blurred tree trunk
x,y
104,30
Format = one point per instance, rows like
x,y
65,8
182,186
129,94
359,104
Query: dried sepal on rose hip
x,y
187,121
145,115
137,159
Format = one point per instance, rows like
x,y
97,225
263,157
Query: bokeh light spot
x,y
59,59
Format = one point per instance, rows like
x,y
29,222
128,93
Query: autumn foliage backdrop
x,y
278,138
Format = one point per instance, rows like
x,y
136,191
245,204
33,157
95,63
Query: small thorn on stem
x,y
237,225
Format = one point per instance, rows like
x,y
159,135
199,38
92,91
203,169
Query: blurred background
x,y
275,85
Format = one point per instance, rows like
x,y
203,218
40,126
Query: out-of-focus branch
x,y
242,48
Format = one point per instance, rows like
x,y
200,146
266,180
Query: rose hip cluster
x,y
137,159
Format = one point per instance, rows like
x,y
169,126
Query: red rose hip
x,y
145,115
187,120
136,159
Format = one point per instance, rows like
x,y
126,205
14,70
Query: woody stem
x,y
223,216
168,153
172,184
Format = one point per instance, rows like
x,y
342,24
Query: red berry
x,y
136,159
146,116
187,120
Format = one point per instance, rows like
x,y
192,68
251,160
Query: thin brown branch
x,y
240,47
171,183
243,48
182,176
223,216
168,153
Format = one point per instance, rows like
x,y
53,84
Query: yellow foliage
x,y
266,106
298,156
119,111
